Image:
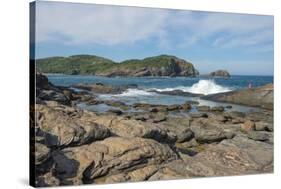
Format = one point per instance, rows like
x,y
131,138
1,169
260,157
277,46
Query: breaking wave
x,y
202,87
135,92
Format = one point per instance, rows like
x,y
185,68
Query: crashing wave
x,y
205,87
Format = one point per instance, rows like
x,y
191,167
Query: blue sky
x,y
240,43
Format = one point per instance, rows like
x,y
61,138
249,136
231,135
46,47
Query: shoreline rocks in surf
x,y
220,74
75,146
257,97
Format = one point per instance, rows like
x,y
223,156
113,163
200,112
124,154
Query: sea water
x,y
142,94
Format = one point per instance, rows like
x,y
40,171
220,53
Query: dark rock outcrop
x,y
100,88
220,73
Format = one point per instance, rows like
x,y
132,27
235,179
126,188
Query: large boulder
x,y
111,157
210,133
42,81
45,91
64,126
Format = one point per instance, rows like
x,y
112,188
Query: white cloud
x,y
244,40
81,23
111,25
233,29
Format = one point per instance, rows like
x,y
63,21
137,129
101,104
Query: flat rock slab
x,y
232,157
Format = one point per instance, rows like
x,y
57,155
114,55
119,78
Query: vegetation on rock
x,y
162,65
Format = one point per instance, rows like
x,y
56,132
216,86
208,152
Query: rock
x,y
198,115
260,152
186,135
101,89
157,108
235,117
42,153
189,149
220,73
134,176
51,95
228,107
263,126
68,94
142,117
218,117
258,97
66,168
234,114
238,120
74,146
173,107
210,133
45,91
63,126
112,156
177,93
259,135
265,116
203,108
237,156
132,128
192,102
173,170
185,106
187,144
159,118
154,110
115,103
47,180
217,108
248,126
115,111
42,81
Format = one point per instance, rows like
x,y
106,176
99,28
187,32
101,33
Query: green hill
x,y
162,65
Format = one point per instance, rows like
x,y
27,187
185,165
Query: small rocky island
x,y
220,73
162,65
157,142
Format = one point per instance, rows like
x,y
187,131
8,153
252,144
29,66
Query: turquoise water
x,y
234,82
143,94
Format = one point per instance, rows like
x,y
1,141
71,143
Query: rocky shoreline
x,y
159,142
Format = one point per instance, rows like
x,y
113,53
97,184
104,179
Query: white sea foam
x,y
135,92
128,93
202,87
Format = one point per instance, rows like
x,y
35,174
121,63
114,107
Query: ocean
x,y
142,94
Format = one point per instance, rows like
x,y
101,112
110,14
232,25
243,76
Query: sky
x,y
240,43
